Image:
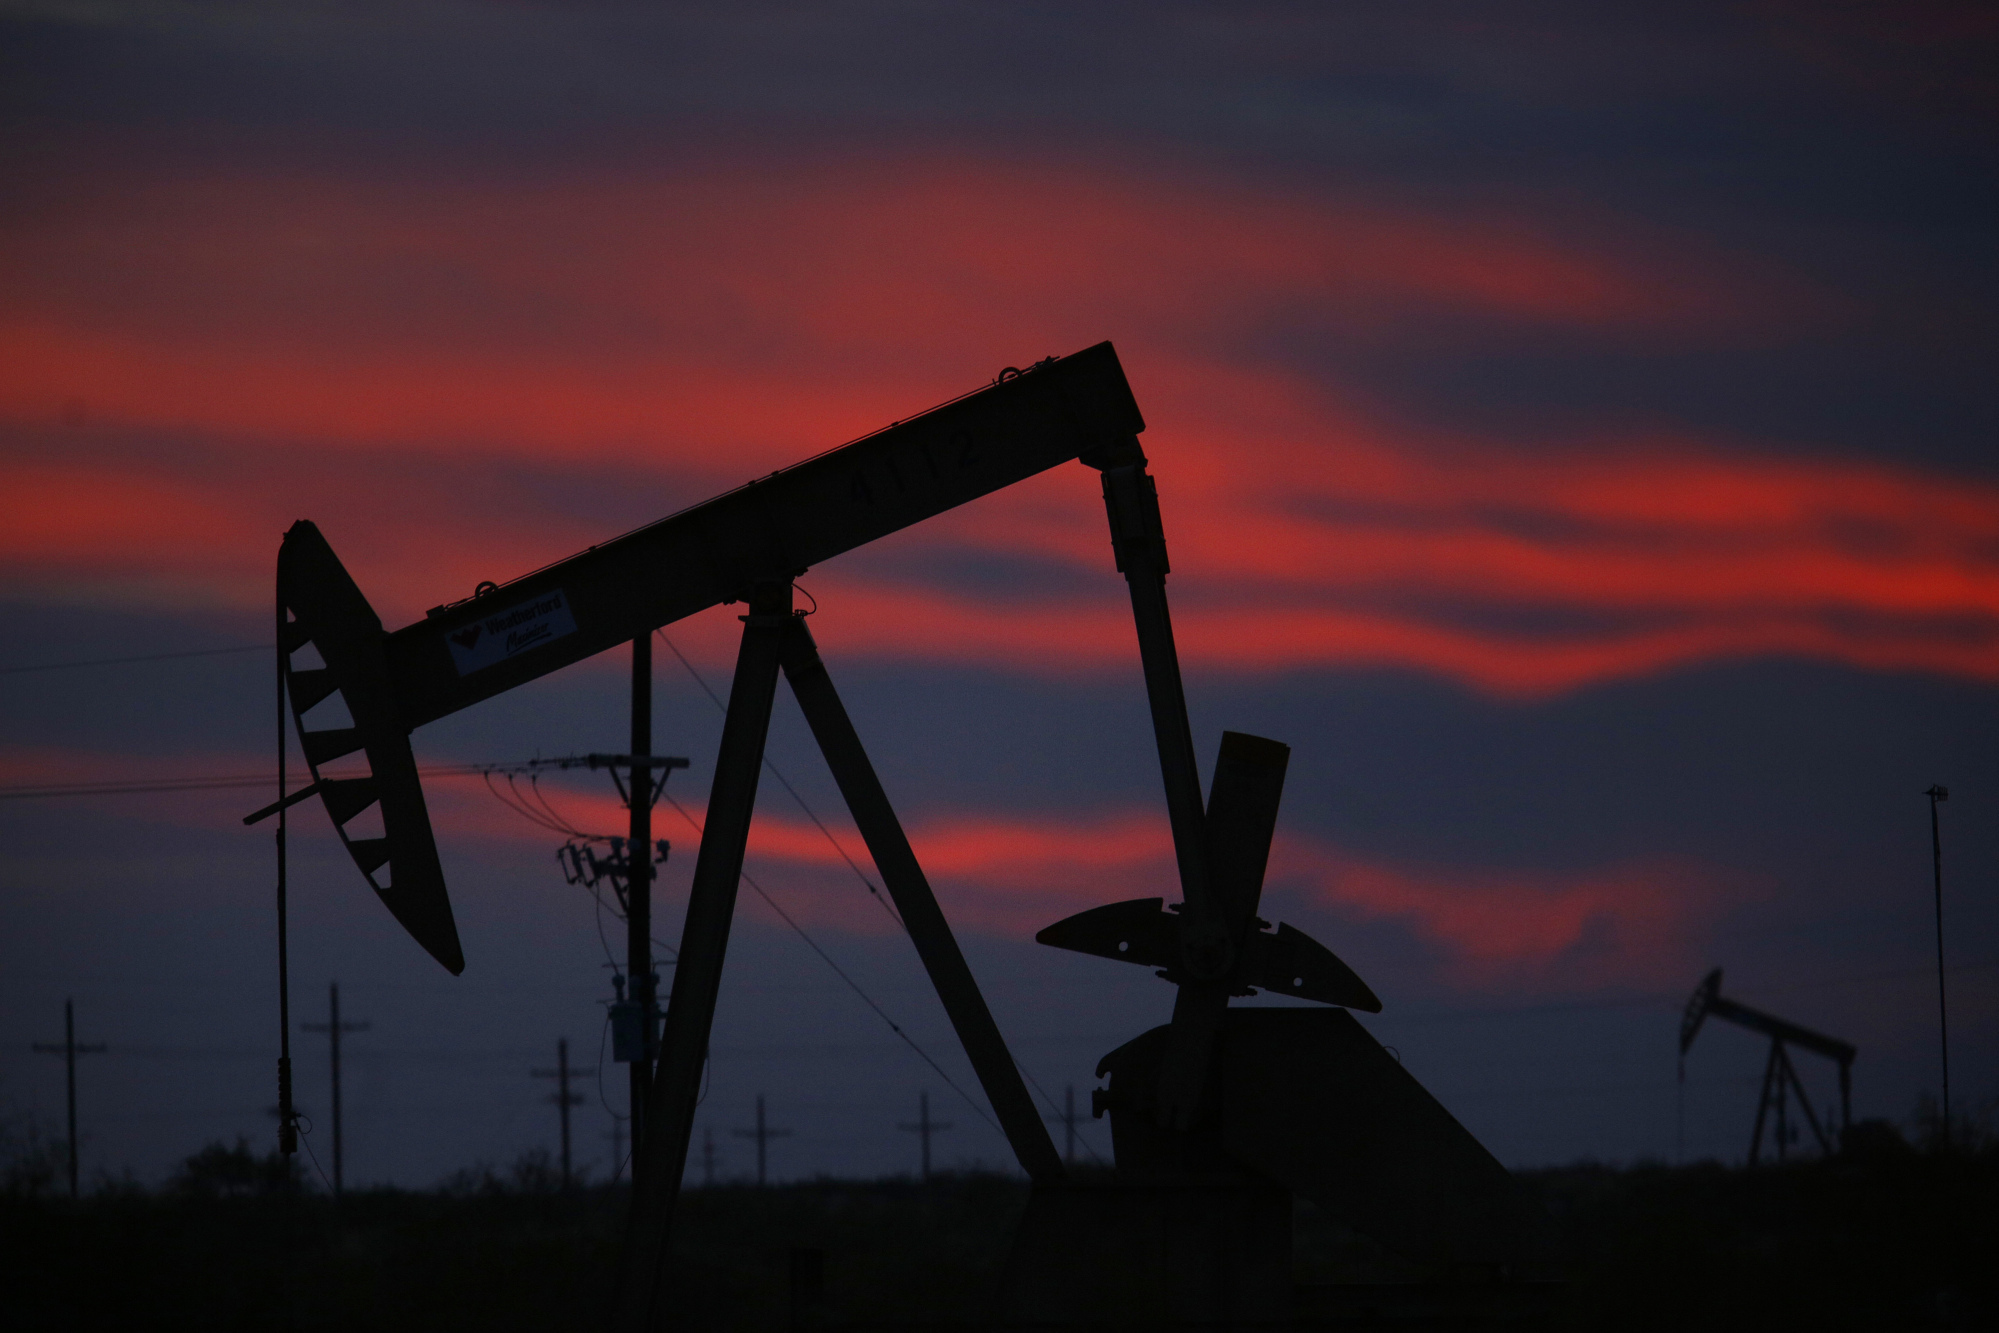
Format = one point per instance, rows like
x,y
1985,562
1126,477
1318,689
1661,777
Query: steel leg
x,y
1763,1104
704,941
928,929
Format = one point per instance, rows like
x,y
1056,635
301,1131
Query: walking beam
x,y
619,591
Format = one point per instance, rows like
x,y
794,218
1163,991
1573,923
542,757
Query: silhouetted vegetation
x,y
1890,1236
1887,1238
234,1172
33,1159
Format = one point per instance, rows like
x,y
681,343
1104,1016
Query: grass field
x,y
1886,1241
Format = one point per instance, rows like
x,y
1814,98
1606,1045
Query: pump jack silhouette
x,y
1780,1079
1217,1117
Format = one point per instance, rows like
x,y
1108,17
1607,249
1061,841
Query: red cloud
x,y
1616,925
1620,925
723,309
702,327
1012,874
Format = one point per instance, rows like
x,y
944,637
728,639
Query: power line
x,y
1671,1002
222,781
1530,1010
556,824
217,783
853,985
305,1141
214,782
873,889
147,657
519,805
1902,974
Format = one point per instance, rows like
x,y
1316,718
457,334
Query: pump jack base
x,y
1150,1255
1216,1254
1195,1230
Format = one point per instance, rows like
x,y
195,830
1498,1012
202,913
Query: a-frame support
x,y
774,639
917,905
1780,1079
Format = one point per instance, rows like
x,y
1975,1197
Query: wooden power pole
x,y
638,890
924,1128
333,1027
69,1050
564,1099
763,1134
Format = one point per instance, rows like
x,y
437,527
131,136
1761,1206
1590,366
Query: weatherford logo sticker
x,y
508,633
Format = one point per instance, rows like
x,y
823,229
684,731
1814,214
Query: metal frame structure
x,y
1780,1078
747,547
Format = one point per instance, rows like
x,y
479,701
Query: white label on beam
x,y
506,634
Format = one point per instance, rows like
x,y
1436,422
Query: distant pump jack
x,y
1780,1080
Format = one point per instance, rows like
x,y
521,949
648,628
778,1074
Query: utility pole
x,y
638,888
617,1137
1936,793
763,1134
924,1128
69,1050
635,1015
563,1097
287,1113
333,1027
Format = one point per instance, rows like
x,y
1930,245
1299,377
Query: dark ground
x,y
1895,1240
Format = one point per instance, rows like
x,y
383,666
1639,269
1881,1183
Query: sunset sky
x,y
1575,431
